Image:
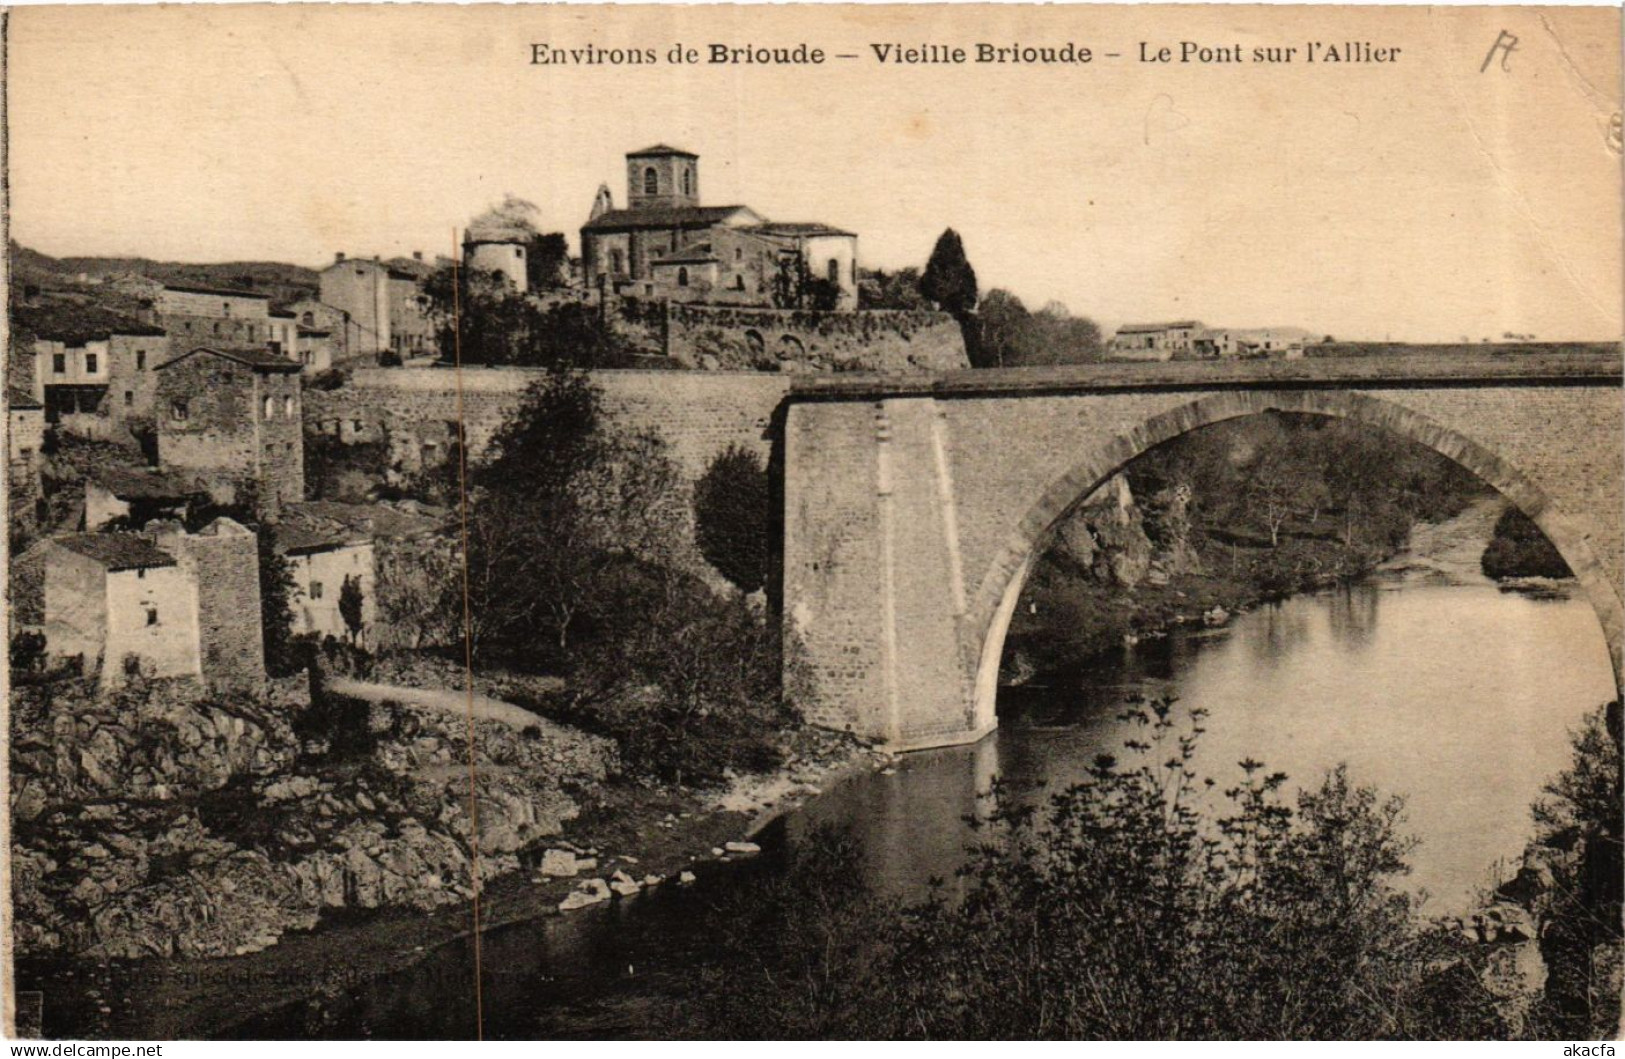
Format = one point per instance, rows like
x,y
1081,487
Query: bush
x,y
732,516
1136,907
1519,549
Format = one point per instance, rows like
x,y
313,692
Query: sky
x,y
1434,197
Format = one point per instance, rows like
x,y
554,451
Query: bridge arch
x,y
995,598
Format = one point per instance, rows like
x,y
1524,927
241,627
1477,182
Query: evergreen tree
x,y
949,279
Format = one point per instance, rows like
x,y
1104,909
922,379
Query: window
x,y
308,319
140,359
59,363
225,308
682,277
518,251
152,615
267,406
287,407
651,181
358,426
315,590
688,182
617,262
739,253
178,411
129,398
833,271
217,329
91,364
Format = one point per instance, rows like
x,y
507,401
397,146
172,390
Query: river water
x,y
1458,696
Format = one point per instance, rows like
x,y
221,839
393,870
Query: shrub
x,y
732,516
1519,549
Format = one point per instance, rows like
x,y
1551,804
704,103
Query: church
x,y
666,246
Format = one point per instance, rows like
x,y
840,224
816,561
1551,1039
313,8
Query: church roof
x,y
663,217
660,149
795,228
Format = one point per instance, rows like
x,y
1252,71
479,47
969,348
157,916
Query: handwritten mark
x,y
1506,44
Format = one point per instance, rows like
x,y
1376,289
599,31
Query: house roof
x,y
1177,325
663,217
258,359
128,484
76,323
116,551
322,525
226,292
18,401
660,149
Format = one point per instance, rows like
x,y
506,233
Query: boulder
x,y
559,864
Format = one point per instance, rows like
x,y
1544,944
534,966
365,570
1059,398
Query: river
x,y
1442,688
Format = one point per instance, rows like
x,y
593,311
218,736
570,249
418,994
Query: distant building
x,y
1155,341
665,245
501,253
1287,342
232,417
219,317
382,301
164,603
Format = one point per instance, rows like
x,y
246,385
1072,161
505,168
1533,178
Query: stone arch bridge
x,y
914,505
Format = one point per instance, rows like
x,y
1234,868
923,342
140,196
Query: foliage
x,y
796,287
733,515
1578,838
277,590
27,650
351,604
336,470
483,321
1012,336
879,289
547,261
687,683
1139,905
1519,549
561,500
948,280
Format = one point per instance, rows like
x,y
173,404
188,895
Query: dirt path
x,y
453,702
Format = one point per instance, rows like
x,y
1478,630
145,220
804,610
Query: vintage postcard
x,y
813,522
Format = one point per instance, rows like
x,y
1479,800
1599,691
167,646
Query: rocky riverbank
x,y
183,864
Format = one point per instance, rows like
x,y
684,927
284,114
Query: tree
x,y
276,604
547,261
879,289
949,280
484,321
561,502
351,605
732,517
795,286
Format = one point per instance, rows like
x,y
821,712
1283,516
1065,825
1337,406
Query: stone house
x,y
25,442
1155,341
135,497
163,603
228,417
328,543
665,245
1286,342
382,301
90,367
219,317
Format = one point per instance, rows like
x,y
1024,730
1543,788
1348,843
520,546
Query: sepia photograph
x,y
813,522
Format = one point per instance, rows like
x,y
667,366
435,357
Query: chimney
x,y
338,255
417,255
